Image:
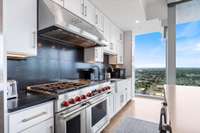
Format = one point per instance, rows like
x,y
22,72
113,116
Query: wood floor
x,y
142,108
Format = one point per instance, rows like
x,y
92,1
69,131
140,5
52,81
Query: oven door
x,y
73,122
97,114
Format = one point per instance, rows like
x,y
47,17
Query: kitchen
x,y
66,68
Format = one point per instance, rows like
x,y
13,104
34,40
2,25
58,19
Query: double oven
x,y
89,117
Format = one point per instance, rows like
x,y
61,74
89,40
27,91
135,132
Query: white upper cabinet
x,y
99,20
89,12
92,55
75,6
113,38
21,27
119,45
60,2
107,24
82,8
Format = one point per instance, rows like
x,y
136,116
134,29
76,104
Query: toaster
x,y
12,89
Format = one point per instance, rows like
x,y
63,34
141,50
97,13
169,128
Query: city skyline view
x,y
150,48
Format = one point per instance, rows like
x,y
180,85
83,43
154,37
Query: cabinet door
x,y
113,37
107,24
21,27
117,103
120,53
89,12
98,54
99,20
111,105
75,6
60,2
44,127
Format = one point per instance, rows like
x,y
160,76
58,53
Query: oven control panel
x,y
80,98
72,98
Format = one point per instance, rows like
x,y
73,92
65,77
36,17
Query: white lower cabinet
x,y
122,94
30,120
44,127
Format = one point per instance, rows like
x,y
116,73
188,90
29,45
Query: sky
x,y
150,48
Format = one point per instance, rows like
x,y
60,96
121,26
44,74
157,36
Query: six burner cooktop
x,y
58,87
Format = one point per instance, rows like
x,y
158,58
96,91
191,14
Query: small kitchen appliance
x,y
12,89
119,73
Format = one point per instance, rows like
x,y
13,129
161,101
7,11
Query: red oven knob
x,y
65,103
72,101
109,88
89,94
77,99
99,91
104,89
83,97
93,93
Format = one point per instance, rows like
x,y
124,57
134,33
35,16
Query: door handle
x,y
86,11
96,19
34,117
82,6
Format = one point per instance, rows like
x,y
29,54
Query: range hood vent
x,y
56,22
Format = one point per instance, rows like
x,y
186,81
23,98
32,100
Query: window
x,y
188,54
150,64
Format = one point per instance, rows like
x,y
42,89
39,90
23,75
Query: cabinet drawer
x,y
121,86
44,127
26,118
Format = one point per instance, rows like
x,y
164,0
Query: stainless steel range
x,y
81,106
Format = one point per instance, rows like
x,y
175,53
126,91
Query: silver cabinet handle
x,y
86,11
82,6
34,39
34,117
96,19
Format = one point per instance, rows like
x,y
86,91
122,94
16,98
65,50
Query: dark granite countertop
x,y
26,100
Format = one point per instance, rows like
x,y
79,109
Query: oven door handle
x,y
99,100
66,116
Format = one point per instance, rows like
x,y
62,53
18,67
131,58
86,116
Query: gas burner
x,y
58,87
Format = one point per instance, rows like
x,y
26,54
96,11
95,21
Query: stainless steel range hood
x,y
56,22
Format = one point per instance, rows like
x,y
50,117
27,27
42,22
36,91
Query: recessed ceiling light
x,y
137,21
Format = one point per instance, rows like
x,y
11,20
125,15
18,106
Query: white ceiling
x,y
123,13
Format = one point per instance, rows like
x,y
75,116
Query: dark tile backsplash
x,y
53,62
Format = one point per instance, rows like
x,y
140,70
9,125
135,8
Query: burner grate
x,y
58,87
